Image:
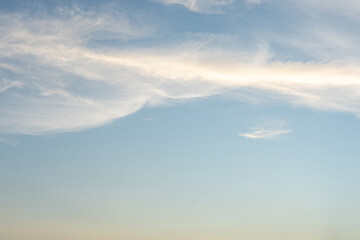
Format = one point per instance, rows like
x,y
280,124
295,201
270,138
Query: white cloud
x,y
51,80
201,6
260,133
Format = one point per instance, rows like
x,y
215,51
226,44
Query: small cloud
x,y
263,133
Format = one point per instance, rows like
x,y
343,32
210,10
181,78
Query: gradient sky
x,y
179,120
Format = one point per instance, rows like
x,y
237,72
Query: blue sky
x,y
179,119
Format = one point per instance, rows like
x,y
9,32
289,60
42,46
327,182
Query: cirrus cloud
x,y
53,79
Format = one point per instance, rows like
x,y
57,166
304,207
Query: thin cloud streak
x,y
260,133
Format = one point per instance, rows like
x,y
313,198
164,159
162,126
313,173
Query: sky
x,y
179,120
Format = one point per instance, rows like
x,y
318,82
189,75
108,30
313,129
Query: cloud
x,y
8,142
51,80
345,8
5,84
266,130
259,133
254,1
200,6
56,78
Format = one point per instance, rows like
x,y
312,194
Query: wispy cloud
x,y
267,130
200,6
254,1
5,84
57,80
345,8
260,133
64,84
8,142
